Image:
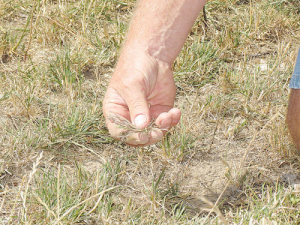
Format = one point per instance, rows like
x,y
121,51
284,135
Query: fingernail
x,y
140,120
165,128
143,138
156,134
175,121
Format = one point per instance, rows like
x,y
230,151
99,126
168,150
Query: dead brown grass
x,y
230,156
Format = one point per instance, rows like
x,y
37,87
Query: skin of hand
x,y
293,117
137,84
142,85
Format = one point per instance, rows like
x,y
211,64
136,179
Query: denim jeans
x,y
295,80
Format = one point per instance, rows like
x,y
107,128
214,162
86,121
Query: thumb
x,y
139,109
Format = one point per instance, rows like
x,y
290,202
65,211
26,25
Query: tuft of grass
x,y
62,74
56,194
266,204
178,143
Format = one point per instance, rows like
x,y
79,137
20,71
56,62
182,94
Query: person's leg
x,y
293,112
293,116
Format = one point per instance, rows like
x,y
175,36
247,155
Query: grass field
x,y
230,161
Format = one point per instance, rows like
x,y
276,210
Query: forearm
x,y
160,27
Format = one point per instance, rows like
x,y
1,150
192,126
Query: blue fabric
x,y
295,80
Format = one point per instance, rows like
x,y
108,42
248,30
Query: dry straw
x,y
129,128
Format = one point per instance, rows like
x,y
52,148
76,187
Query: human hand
x,y
142,88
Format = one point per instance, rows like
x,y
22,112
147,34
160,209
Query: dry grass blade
x,y
128,127
46,206
86,200
213,208
31,177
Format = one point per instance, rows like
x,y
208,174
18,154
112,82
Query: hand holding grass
x,y
142,86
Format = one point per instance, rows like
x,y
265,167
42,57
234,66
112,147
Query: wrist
x,y
153,51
